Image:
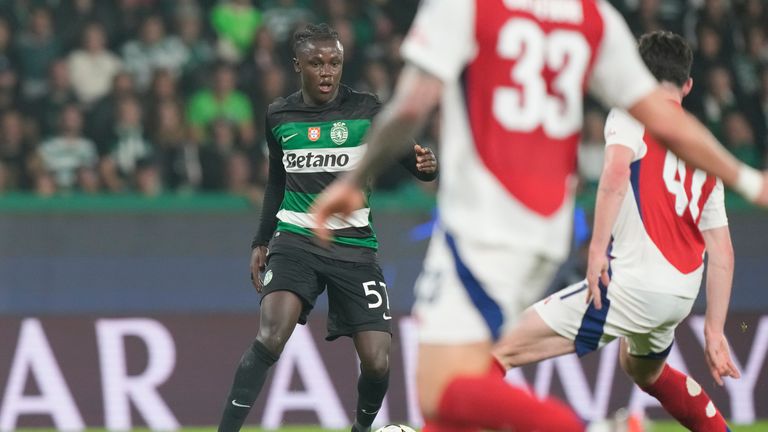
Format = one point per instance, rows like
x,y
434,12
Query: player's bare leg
x,y
373,349
530,341
280,312
462,385
680,395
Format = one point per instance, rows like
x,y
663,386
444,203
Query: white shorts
x,y
471,293
646,319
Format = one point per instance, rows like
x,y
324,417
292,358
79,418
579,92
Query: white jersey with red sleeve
x,y
515,73
657,243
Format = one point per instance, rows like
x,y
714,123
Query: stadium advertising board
x,y
168,371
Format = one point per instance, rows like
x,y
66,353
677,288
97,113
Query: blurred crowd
x,y
153,96
730,73
158,96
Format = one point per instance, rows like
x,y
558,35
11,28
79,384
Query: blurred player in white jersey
x,y
511,76
655,216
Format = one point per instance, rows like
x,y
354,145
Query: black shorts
x,y
357,295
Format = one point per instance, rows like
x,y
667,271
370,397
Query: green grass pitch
x,y
655,427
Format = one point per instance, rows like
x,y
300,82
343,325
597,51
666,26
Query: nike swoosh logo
x,y
369,413
386,317
234,402
286,138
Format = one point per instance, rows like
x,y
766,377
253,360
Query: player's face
x,y
320,64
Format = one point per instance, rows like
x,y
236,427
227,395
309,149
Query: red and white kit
x,y
515,74
657,250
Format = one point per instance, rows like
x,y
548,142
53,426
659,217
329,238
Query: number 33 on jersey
x,y
516,72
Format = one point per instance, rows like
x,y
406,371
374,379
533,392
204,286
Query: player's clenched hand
x,y
426,161
258,263
342,197
597,269
718,357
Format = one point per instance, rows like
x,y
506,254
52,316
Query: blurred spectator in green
x,y
741,141
709,54
719,99
760,111
239,178
222,100
153,50
264,55
177,155
146,178
717,14
273,83
282,17
650,15
215,153
131,15
747,64
128,147
40,47
72,16
9,87
67,159
14,152
376,80
235,23
47,108
102,115
164,89
754,14
201,53
92,68
8,53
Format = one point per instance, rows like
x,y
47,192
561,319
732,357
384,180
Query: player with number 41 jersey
x,y
658,245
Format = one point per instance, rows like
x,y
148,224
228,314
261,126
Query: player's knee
x,y
643,377
273,340
375,367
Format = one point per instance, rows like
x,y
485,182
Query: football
x,y
395,428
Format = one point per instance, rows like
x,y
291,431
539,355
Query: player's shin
x,y
370,396
685,400
249,379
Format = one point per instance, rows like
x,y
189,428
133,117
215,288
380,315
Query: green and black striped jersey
x,y
316,144
309,147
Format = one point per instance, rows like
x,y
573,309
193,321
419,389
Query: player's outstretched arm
x,y
416,95
692,142
719,282
614,182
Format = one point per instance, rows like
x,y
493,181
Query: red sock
x,y
486,402
686,401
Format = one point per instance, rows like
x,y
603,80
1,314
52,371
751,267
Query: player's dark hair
x,y
312,33
667,55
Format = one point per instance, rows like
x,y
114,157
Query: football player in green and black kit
x,y
315,135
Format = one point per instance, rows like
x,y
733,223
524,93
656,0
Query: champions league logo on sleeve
x,y
339,133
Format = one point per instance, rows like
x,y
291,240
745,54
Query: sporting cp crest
x,y
313,133
339,133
